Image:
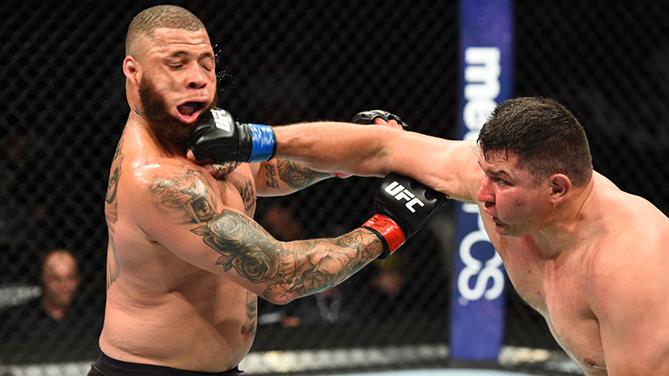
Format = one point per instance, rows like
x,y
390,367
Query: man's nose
x,y
485,194
196,79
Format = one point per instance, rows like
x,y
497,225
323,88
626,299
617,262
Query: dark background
x,y
62,109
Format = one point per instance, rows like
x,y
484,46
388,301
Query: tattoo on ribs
x,y
251,314
113,266
111,204
296,269
297,176
186,196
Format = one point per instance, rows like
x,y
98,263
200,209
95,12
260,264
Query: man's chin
x,y
502,228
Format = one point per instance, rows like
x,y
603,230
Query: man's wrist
x,y
263,142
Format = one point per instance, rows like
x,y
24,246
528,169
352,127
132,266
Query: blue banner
x,y
486,52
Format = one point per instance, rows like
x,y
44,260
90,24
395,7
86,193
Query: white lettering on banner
x,y
474,268
222,119
398,191
482,87
482,70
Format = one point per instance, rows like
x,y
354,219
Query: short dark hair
x,y
150,19
545,136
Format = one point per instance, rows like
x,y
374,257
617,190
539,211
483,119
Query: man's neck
x,y
137,121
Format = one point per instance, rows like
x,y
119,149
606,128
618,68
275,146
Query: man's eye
x,y
500,181
176,66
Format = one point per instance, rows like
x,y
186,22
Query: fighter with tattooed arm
x,y
591,258
185,261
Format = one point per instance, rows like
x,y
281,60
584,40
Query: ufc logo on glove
x,y
222,119
391,222
398,191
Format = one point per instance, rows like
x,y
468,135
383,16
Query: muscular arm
x,y
445,165
185,217
278,177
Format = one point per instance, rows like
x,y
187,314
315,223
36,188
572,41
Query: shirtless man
x,y
185,261
589,257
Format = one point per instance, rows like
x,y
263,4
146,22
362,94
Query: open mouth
x,y
190,108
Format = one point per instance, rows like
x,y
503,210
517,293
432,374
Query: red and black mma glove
x,y
402,207
368,117
217,137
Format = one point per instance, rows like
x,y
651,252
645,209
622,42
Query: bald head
x,y
162,16
59,258
60,277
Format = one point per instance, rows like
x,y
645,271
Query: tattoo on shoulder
x,y
298,176
184,197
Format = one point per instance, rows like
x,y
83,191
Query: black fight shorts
x,y
106,366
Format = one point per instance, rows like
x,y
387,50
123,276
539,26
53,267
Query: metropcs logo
x,y
482,86
398,191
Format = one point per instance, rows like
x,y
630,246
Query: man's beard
x,y
169,132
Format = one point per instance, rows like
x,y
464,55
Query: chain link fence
x,y
62,109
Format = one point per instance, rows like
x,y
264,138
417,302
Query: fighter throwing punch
x,y
185,261
592,259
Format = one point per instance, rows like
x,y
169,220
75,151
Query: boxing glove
x,y
217,137
367,117
402,206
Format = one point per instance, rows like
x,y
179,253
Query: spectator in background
x,y
55,325
60,281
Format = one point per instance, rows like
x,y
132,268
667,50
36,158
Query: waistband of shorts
x,y
113,367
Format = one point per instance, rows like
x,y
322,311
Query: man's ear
x,y
559,184
131,69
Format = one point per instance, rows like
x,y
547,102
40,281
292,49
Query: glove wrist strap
x,y
263,142
388,231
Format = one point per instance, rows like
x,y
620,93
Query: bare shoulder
x,y
631,255
171,189
632,217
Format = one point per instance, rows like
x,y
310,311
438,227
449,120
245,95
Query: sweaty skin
x,y
592,260
185,261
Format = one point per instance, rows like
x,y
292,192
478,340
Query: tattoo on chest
x,y
248,196
111,204
185,198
